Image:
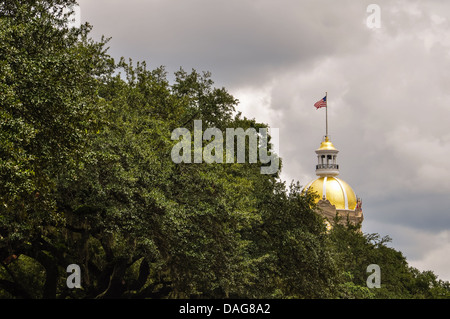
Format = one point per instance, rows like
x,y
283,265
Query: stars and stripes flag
x,y
321,103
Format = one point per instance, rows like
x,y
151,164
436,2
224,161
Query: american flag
x,y
321,103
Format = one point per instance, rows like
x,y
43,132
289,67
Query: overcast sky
x,y
388,92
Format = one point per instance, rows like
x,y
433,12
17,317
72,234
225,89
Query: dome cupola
x,y
326,159
327,185
336,197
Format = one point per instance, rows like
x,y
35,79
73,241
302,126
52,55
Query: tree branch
x,y
144,271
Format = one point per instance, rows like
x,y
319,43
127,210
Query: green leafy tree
x,y
130,204
49,76
293,240
87,178
355,251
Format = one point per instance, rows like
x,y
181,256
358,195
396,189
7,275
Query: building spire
x,y
326,114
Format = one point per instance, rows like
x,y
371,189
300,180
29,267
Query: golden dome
x,y
326,145
338,192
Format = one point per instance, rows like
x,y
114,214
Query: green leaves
x,y
86,177
354,251
48,103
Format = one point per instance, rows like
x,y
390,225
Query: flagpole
x,y
326,114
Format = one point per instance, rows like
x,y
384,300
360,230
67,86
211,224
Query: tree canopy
x,y
86,178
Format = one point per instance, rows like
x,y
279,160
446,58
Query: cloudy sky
x,y
388,92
